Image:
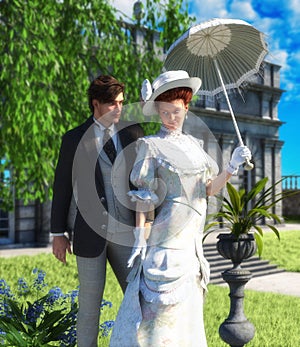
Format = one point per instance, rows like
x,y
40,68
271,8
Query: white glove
x,y
140,245
238,158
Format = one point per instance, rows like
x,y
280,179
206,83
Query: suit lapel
x,y
90,145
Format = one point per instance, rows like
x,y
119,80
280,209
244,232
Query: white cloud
x,y
243,9
291,73
293,18
279,57
211,9
294,6
125,6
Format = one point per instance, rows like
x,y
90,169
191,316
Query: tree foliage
x,y
50,50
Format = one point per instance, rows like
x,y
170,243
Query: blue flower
x,y
69,337
39,282
33,312
23,287
5,289
106,327
105,303
4,309
41,317
2,334
5,293
73,295
54,294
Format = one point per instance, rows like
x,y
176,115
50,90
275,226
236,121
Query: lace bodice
x,y
170,165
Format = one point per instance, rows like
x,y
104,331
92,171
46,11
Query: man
x,y
88,173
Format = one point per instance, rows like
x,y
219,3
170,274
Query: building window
x,y
272,75
4,215
4,224
271,108
201,101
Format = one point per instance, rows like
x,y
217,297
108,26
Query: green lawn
x,y
286,252
275,317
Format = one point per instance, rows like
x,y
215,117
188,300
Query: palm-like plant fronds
x,y
240,217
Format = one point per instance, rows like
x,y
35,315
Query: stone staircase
x,y
218,264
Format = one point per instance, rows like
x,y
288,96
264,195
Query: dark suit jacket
x,y
78,166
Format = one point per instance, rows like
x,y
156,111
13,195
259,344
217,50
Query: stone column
x,y
228,142
269,160
272,168
214,151
267,107
227,147
278,174
42,226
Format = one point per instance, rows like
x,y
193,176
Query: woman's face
x,y
172,114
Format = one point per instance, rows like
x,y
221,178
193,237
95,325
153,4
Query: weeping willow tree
x,y
49,51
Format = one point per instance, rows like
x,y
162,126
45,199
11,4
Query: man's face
x,y
109,113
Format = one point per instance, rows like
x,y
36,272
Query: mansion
x,y
256,112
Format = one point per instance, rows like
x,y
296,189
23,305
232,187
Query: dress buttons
x,y
102,199
104,213
103,227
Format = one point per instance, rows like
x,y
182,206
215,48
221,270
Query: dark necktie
x,y
108,146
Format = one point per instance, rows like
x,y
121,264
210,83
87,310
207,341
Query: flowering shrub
x,y
30,316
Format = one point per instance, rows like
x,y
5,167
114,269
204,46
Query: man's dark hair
x,y
105,89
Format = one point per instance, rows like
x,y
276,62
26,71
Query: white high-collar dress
x,y
163,304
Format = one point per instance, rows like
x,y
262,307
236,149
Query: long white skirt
x,y
151,324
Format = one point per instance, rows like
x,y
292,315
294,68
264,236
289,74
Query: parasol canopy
x,y
236,46
224,53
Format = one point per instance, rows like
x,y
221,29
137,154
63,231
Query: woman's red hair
x,y
183,93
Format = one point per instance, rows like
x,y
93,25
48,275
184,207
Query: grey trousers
x,y
92,275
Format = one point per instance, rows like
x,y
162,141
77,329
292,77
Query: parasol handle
x,y
248,166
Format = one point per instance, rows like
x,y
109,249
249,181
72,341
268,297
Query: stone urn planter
x,y
236,330
236,249
243,213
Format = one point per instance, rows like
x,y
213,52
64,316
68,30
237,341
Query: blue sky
x,y
279,21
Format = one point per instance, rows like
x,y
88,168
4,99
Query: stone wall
x,y
31,223
291,206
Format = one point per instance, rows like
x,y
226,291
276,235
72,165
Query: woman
x,y
163,304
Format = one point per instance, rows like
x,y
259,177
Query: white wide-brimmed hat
x,y
166,81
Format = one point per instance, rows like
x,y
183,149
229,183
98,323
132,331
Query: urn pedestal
x,y
236,330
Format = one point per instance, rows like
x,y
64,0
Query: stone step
x,y
216,278
258,267
252,267
218,260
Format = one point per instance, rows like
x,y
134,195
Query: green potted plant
x,y
243,213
